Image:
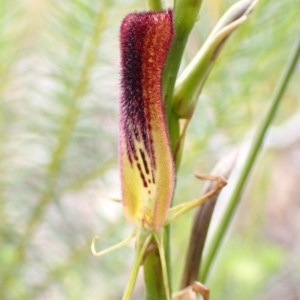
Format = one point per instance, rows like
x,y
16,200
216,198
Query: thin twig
x,y
251,158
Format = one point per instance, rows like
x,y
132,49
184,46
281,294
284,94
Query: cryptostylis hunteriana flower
x,y
147,171
145,158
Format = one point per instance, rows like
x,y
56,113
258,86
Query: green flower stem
x,y
159,238
154,5
142,244
185,15
153,276
253,153
190,83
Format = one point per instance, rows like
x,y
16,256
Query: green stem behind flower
x,y
154,5
185,16
153,276
142,245
252,156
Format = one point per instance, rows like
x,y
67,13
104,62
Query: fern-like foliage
x,y
58,135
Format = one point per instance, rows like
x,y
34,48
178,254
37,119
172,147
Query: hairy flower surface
x,y
147,169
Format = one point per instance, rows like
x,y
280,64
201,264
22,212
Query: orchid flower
x,y
147,169
145,157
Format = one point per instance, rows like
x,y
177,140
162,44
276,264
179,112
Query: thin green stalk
x,y
189,84
159,238
154,5
252,156
185,15
153,276
142,244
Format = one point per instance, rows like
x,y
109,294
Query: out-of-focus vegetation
x,y
58,151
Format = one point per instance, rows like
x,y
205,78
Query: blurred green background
x,y
59,88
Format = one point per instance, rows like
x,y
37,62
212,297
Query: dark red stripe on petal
x,y
145,40
144,161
